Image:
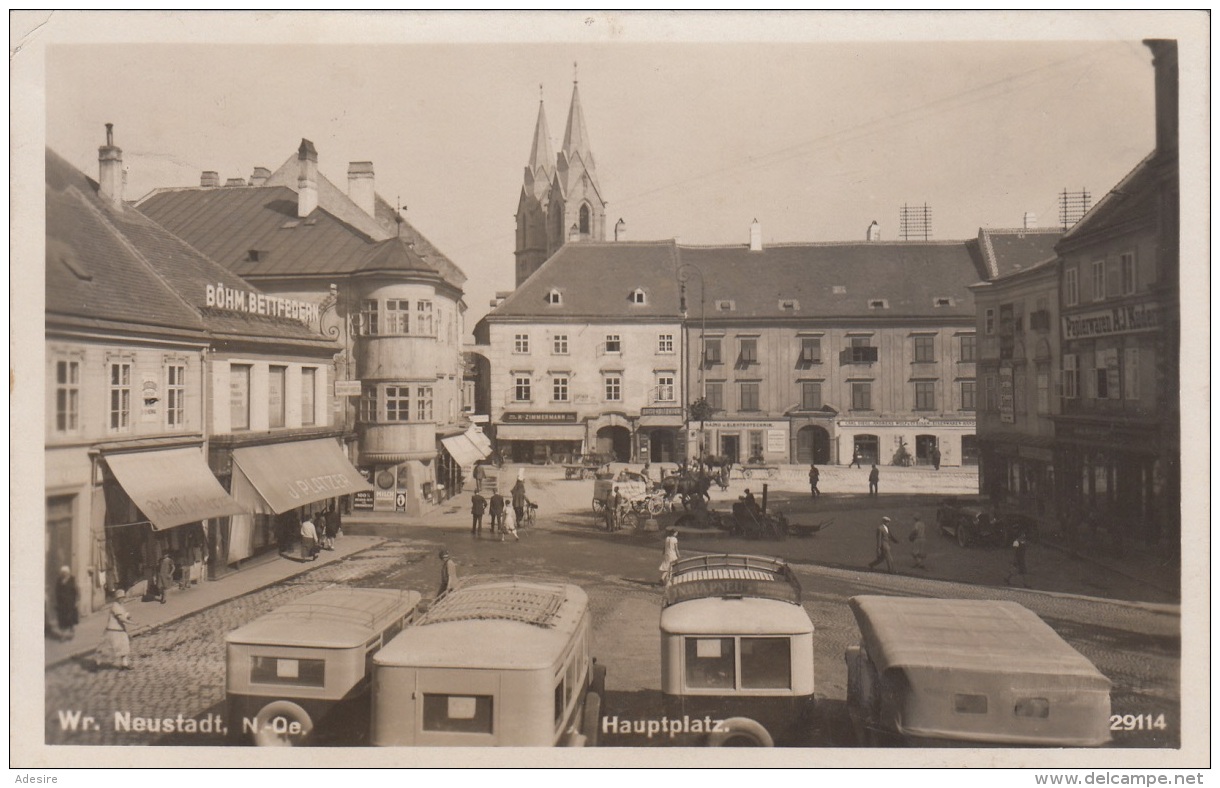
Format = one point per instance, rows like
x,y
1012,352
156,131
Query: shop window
x,y
398,403
559,345
521,388
811,395
369,317
276,379
423,403
397,316
925,395
756,446
925,349
749,396
175,396
67,396
968,394
614,388
559,388
120,396
665,343
666,388
309,379
521,343
1071,286
423,318
861,395
968,347
715,394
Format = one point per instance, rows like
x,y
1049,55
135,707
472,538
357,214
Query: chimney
x,y
360,186
210,179
235,182
259,176
307,179
1165,82
1030,221
874,232
110,177
755,237
620,230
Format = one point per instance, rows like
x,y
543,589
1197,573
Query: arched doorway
x,y
616,441
812,445
661,446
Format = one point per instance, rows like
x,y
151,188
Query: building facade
x,y
389,298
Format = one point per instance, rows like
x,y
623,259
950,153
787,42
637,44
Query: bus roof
x,y
510,625
335,617
731,575
982,636
735,616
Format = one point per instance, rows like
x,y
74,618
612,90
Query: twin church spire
x,y
560,199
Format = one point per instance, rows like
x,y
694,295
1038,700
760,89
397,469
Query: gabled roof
x,y
824,280
1009,250
1129,204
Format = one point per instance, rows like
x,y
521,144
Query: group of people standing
x,y
504,518
316,537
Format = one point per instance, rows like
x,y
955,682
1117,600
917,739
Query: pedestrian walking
x,y
509,525
919,539
935,458
479,475
449,575
647,474
478,505
669,554
165,575
115,648
309,538
67,603
330,527
1018,559
519,499
814,475
496,507
884,539
874,476
198,560
616,504
855,458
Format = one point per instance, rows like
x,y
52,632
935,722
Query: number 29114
x,y
1137,722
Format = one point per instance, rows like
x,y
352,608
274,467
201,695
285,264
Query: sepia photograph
x,y
621,386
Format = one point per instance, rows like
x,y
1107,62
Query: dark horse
x,y
688,485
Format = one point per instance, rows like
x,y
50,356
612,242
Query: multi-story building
x,y
1117,436
377,285
133,342
586,356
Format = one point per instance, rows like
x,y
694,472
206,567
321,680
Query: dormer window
x,y
725,306
253,256
553,297
789,305
839,289
637,296
878,303
942,302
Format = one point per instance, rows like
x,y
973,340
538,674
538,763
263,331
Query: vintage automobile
x,y
502,663
965,672
973,520
299,675
737,649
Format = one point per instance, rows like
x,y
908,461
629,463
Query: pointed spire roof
x,y
575,137
542,158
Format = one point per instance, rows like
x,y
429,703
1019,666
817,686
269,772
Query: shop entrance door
x,y
812,445
616,441
661,447
923,449
730,447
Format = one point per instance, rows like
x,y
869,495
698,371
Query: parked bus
x,y
737,649
945,672
496,664
301,673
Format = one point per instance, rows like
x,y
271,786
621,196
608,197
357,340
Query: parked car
x,y
967,672
974,520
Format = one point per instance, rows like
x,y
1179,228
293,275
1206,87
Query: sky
x,y
693,139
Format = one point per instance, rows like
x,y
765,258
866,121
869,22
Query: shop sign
x,y
347,388
658,411
745,425
1007,410
1116,320
220,296
553,417
363,501
777,441
400,502
907,423
148,400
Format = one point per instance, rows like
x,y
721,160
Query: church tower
x,y
561,200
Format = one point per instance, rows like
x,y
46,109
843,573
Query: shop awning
x,y
172,487
540,432
481,441
463,450
289,475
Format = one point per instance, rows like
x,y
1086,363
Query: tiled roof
x,y
824,280
136,271
1131,201
1006,251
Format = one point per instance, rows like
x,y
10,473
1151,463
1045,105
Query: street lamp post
x,y
683,274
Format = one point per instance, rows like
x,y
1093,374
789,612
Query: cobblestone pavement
x,y
180,666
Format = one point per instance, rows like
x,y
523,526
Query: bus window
x,y
457,713
1039,708
710,663
766,663
280,670
969,704
559,701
